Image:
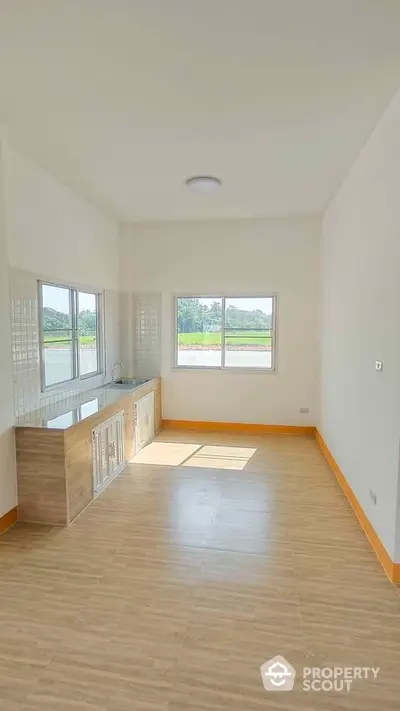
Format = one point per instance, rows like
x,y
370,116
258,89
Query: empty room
x,y
199,355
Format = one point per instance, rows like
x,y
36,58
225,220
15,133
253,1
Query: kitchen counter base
x,y
55,466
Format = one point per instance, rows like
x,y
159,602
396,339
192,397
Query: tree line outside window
x,y
225,332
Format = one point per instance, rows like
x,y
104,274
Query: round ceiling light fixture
x,y
203,184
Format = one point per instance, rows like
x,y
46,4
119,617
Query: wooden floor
x,y
206,557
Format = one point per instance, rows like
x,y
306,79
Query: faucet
x,y
112,371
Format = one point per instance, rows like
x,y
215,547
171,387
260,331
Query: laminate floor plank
x,y
208,555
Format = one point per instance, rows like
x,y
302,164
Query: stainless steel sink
x,y
127,383
131,381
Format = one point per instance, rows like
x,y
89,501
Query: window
x,y
70,341
225,332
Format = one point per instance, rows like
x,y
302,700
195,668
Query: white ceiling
x,y
124,99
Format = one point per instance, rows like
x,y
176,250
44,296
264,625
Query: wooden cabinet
x,y
55,466
108,451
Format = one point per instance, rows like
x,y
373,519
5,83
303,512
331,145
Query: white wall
x,y
360,408
54,231
8,489
53,234
244,257
46,231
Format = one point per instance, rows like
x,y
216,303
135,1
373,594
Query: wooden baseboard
x,y
392,569
233,427
8,519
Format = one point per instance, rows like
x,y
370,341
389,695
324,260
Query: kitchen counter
x,y
54,448
76,409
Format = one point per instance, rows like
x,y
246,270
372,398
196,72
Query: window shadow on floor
x,y
194,455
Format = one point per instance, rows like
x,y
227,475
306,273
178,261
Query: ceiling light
x,y
203,183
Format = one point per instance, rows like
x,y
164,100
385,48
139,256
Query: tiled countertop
x,y
76,409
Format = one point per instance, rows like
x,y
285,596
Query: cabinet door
x,y
157,410
107,451
116,443
101,458
144,419
120,440
96,459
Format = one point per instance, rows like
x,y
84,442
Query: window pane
x,y
87,329
57,312
57,335
199,332
248,332
58,361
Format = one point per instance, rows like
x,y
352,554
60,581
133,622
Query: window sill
x,y
87,376
70,384
252,371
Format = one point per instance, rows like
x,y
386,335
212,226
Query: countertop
x,y
76,409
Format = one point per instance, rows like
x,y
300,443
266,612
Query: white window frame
x,y
223,367
74,305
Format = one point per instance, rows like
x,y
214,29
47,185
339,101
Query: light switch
x,y
379,366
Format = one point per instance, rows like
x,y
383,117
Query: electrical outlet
x,y
379,366
304,410
373,497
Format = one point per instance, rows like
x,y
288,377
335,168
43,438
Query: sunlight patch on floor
x,y
165,453
214,457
